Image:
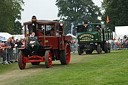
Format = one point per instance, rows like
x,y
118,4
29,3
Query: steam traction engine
x,y
93,36
45,42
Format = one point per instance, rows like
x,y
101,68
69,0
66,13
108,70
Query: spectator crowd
x,y
7,49
116,44
120,43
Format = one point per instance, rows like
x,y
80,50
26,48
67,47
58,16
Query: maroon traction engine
x,y
45,41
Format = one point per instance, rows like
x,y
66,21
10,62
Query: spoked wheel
x,y
99,50
65,55
79,51
48,59
35,63
107,47
106,50
21,61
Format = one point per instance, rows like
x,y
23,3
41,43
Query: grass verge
x,y
95,69
7,68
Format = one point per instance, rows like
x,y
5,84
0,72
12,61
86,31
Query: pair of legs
x,y
4,58
10,56
3,55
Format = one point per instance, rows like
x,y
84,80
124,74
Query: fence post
x,y
6,54
0,59
16,55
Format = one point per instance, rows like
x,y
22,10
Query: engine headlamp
x,y
31,42
61,24
32,46
96,43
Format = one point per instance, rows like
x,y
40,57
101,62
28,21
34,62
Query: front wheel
x,y
79,51
65,55
48,59
21,61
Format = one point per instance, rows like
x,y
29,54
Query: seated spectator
x,y
116,46
2,53
112,43
121,43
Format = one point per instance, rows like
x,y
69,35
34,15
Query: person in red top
x,y
2,53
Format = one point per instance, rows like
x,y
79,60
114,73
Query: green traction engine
x,y
93,37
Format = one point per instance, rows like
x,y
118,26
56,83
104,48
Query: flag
x,y
72,26
107,19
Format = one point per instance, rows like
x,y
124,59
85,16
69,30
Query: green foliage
x,y
17,28
76,11
117,12
10,13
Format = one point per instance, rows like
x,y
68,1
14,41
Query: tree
x,y
117,12
10,14
76,11
17,28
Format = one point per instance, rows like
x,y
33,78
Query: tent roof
x,y
5,35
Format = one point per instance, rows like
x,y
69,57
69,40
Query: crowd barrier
x,y
15,55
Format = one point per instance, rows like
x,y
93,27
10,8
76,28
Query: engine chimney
x,y
34,24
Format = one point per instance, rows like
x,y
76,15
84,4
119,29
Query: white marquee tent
x,y
4,36
120,31
18,37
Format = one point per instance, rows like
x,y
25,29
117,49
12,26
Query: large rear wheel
x,y
99,50
21,61
106,48
48,59
65,55
109,47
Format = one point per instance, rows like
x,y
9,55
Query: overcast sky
x,y
43,9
